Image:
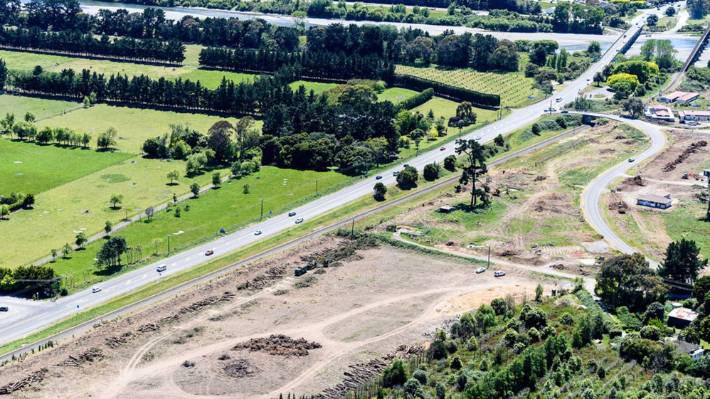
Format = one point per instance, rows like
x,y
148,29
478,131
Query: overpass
x,y
692,58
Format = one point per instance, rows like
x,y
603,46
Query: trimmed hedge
x,y
417,100
481,100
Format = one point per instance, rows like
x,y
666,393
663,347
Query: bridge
x,y
692,58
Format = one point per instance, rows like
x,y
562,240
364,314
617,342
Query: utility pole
x,y
352,229
168,244
316,186
261,215
706,173
489,258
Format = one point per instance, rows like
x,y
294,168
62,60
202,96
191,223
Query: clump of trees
x,y
29,281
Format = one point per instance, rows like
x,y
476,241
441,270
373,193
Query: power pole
x,y
261,215
706,173
316,186
168,244
489,258
352,229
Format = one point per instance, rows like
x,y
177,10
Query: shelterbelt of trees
x,y
506,15
74,42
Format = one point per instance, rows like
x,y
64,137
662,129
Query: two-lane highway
x,y
15,325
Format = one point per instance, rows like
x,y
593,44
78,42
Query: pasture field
x,y
134,125
201,218
31,168
17,60
40,108
396,94
317,87
514,88
83,205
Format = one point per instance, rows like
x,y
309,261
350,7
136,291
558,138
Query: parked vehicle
x,y
499,273
480,270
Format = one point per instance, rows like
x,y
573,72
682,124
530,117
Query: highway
x,y
17,324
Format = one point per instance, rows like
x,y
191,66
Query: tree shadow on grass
x,y
108,271
478,208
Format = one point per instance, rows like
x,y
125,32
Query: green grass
x,y
317,87
31,168
134,125
396,95
27,61
40,108
82,205
228,207
513,87
684,221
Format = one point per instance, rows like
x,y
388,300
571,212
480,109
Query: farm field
x,y
201,219
317,87
30,168
40,108
134,125
17,60
513,87
82,205
396,94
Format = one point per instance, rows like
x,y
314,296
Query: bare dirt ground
x,y
219,341
676,171
535,219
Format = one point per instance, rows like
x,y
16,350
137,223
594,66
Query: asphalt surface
x,y
591,196
21,321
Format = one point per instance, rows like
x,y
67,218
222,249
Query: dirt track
x,y
362,310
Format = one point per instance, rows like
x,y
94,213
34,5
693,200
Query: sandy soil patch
x,y
218,341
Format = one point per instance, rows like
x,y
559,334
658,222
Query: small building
x,y
446,209
654,201
694,116
659,112
693,350
681,317
679,97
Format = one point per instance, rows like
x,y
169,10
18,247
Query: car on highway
x,y
558,99
4,309
442,149
395,173
161,268
378,177
631,160
480,270
95,290
291,214
257,233
299,220
209,252
550,109
478,138
499,273
564,112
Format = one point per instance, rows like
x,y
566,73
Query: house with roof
x,y
681,317
659,112
679,97
694,116
654,201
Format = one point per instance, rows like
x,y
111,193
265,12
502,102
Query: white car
x,y
257,233
95,290
499,273
299,220
161,268
480,270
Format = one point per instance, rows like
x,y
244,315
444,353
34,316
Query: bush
x,y
651,332
420,375
394,374
431,171
456,364
407,178
379,191
450,163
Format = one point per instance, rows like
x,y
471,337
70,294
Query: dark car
x,y
290,214
4,309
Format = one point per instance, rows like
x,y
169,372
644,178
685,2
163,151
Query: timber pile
x,y
35,378
278,345
91,355
692,149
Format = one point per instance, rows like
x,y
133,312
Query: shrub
x,y
394,374
431,171
420,375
